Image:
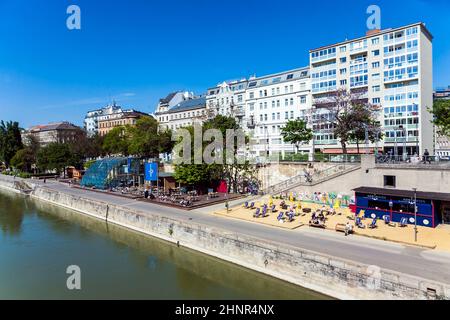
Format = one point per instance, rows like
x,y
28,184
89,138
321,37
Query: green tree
x,y
10,141
117,141
441,113
54,156
296,132
23,160
147,141
202,174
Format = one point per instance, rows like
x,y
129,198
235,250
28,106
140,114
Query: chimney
x,y
372,32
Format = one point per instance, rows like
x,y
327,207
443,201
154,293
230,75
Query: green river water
x,y
39,241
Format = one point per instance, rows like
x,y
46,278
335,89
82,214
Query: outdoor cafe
x,y
427,209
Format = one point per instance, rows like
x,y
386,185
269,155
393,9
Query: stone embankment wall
x,y
335,277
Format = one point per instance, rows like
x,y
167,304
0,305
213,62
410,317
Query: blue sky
x,y
137,51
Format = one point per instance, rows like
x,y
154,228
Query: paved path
x,y
431,264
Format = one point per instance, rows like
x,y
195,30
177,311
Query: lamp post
x,y
415,214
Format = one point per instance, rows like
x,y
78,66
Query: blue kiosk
x,y
432,207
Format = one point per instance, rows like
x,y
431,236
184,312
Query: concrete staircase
x,y
317,178
22,186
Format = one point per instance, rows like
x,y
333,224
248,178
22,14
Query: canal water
x,y
39,241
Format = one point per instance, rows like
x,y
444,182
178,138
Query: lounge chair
x,y
264,213
373,224
273,208
403,222
257,213
252,206
362,214
280,216
359,223
246,205
291,216
387,219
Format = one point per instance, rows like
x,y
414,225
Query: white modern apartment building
x,y
271,101
228,98
391,68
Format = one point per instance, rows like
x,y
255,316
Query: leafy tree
x,y
10,141
296,132
441,112
54,156
23,160
363,123
117,141
345,111
147,141
197,174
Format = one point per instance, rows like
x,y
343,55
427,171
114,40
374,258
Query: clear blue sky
x,y
136,51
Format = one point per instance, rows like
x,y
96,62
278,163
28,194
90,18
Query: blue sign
x,y
128,165
151,171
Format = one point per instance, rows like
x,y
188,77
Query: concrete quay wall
x,y
326,274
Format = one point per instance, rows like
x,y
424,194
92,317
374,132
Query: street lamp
x,y
415,214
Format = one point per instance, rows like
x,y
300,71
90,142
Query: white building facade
x,y
442,142
92,118
228,98
184,114
391,68
271,101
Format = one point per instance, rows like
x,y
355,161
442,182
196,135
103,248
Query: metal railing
x,y
305,178
408,159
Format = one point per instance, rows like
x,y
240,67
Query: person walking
x,y
348,228
426,157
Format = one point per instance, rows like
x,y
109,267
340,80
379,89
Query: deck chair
x,y
252,205
291,216
362,214
264,212
280,216
373,224
387,219
257,213
403,222
273,208
359,223
246,205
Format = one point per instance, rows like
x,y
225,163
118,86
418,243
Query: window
x,y
375,65
376,88
343,82
376,41
375,53
376,100
343,71
303,99
389,181
343,60
286,115
292,114
343,48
